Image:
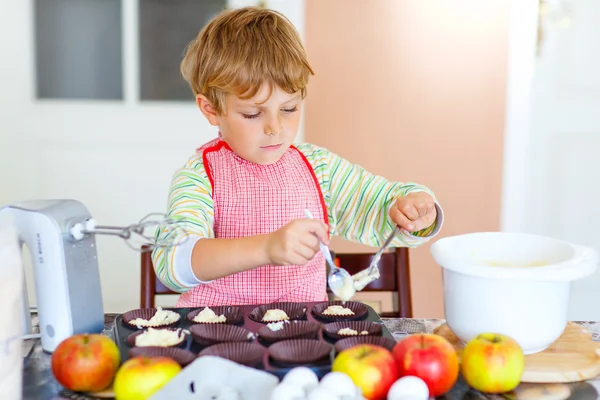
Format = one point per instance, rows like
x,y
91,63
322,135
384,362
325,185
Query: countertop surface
x,y
39,383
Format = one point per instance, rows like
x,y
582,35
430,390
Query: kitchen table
x,y
39,383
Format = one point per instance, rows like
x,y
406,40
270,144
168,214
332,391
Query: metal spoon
x,y
377,257
360,284
338,278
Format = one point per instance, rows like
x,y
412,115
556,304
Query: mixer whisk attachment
x,y
141,236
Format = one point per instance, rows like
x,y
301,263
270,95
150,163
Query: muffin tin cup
x,y
300,351
232,314
144,313
331,330
360,311
352,341
320,366
209,334
182,357
291,330
131,338
249,354
294,311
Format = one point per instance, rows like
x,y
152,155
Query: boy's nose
x,y
271,132
274,127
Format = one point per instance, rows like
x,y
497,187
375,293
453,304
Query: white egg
x,y
357,396
321,393
287,391
339,383
408,388
409,397
302,376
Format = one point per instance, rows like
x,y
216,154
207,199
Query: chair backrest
x,y
150,284
395,275
393,268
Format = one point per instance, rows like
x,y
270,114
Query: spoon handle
x,y
387,242
324,248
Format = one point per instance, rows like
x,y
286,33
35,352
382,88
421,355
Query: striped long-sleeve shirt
x,y
357,204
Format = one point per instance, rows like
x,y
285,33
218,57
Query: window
x,y
78,49
166,28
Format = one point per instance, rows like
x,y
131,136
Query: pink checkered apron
x,y
251,199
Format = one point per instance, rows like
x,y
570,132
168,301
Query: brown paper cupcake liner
x,y
232,314
299,351
291,330
360,311
346,343
209,334
182,357
131,338
144,313
295,311
249,354
331,330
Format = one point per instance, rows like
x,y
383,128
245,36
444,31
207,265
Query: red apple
x,y
492,363
372,368
140,377
85,362
429,357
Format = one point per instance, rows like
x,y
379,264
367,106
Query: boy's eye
x,y
291,110
250,116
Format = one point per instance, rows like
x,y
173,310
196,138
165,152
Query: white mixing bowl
x,y
510,283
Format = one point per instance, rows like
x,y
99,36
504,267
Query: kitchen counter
x,y
39,383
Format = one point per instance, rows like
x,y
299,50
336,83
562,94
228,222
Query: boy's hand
x,y
296,243
414,212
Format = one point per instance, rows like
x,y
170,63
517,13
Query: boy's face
x,y
260,129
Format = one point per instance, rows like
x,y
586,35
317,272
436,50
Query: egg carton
x,y
210,378
279,370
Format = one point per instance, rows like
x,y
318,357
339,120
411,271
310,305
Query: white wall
x,y
552,134
115,157
565,167
521,63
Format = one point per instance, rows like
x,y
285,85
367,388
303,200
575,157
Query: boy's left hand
x,y
414,212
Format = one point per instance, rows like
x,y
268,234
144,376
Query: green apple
x,y
492,363
140,377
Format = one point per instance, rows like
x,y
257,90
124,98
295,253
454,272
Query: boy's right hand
x,y
296,243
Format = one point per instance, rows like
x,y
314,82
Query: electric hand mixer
x,y
60,236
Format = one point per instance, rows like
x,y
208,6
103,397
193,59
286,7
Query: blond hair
x,y
242,49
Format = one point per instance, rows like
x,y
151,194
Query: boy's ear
x,y
207,109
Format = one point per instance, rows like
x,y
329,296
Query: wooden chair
x,y
393,268
151,285
395,276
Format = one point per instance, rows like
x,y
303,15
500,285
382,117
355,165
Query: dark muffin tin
x,y
248,319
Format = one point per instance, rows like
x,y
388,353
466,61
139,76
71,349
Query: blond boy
x,y
244,194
